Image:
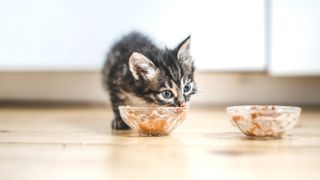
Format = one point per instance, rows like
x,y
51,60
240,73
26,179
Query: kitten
x,y
138,73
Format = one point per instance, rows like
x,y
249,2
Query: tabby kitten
x,y
138,73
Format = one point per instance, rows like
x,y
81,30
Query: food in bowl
x,y
264,121
153,121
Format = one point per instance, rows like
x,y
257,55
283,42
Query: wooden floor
x,y
77,143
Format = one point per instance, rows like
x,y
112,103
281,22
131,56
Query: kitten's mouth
x,y
183,104
180,104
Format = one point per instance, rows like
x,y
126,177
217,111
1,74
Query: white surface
x,y
76,35
295,37
68,34
230,35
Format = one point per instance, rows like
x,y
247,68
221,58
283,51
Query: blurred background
x,y
246,52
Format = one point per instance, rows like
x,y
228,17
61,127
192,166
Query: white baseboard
x,y
214,88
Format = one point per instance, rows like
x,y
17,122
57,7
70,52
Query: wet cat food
x,y
153,121
264,121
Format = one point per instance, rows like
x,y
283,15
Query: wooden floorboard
x,y
77,143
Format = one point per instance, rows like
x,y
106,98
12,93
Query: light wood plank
x,y
77,143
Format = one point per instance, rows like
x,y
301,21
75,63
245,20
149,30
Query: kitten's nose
x,y
180,101
182,104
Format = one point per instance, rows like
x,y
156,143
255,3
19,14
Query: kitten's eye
x,y
187,88
167,94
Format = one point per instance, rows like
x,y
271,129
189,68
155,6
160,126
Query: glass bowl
x,y
153,121
264,121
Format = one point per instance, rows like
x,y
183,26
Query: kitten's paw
x,y
118,124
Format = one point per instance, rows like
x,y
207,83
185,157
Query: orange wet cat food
x,y
253,124
153,121
153,127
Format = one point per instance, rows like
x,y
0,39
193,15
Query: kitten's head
x,y
168,79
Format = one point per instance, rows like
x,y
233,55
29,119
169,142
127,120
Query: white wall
x,y
228,35
67,34
295,37
76,35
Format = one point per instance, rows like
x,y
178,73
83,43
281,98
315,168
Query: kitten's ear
x,y
183,50
141,66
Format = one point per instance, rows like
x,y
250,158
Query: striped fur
x,y
137,73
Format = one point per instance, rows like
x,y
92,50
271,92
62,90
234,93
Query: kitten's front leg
x,y
119,124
